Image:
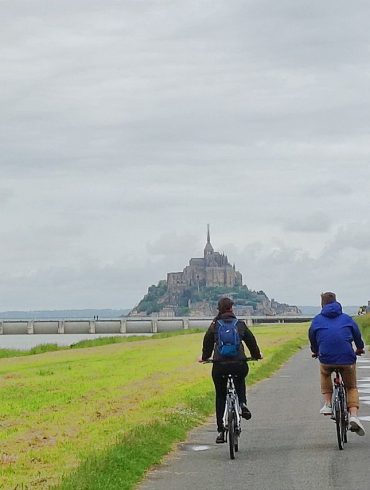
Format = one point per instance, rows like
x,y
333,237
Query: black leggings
x,y
219,376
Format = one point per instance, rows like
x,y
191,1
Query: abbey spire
x,y
208,249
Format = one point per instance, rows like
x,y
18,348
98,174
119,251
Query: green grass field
x,y
364,324
98,417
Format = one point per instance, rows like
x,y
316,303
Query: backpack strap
x,y
221,321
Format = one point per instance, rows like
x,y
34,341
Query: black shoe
x,y
220,438
246,414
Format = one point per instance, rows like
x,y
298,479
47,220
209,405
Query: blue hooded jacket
x,y
331,335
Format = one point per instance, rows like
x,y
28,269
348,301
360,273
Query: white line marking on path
x,y
200,448
366,418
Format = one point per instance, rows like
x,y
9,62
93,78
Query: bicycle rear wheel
x,y
237,434
236,442
344,427
231,422
344,419
339,415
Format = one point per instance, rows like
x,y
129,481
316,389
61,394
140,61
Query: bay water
x,y
25,342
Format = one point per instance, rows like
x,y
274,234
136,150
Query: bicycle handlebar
x,y
213,361
358,353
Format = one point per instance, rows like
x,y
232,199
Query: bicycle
x,y
232,413
232,417
339,409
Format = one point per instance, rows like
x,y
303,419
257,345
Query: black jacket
x,y
210,341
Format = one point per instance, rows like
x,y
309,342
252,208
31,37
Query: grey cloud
x,y
127,127
309,223
181,246
6,195
276,268
313,27
119,284
329,188
354,236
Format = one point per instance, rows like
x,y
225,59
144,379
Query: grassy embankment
x,y
42,348
364,324
97,418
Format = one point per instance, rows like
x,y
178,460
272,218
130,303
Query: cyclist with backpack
x,y
224,339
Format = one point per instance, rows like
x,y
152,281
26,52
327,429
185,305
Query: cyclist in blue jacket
x,y
331,335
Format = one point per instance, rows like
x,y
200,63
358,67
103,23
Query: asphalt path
x,y
286,445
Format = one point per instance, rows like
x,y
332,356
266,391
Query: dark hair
x,y
327,298
224,304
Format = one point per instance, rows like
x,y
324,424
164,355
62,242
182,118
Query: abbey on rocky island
x,y
212,270
196,290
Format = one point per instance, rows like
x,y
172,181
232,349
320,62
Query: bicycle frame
x,y
232,402
231,418
232,413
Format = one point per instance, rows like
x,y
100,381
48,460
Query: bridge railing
x,y
129,325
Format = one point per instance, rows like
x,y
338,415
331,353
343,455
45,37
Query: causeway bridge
x,y
127,325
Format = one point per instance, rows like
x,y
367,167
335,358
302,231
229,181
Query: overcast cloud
x,y
127,126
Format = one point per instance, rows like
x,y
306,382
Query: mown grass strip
x,y
124,464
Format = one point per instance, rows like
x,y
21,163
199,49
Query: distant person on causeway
x,y
332,334
233,362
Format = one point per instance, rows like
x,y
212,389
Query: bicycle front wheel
x,y
231,421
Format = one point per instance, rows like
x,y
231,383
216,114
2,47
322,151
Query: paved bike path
x,y
287,445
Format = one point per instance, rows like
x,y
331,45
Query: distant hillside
x,y
314,310
203,300
61,314
310,310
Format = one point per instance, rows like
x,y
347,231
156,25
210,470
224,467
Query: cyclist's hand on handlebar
x,y
315,355
359,352
204,361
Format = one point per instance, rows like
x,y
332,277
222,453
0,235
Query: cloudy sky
x,y
128,125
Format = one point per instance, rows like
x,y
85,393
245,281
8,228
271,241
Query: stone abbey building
x,y
211,270
192,292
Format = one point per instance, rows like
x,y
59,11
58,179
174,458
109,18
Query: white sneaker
x,y
356,426
326,409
